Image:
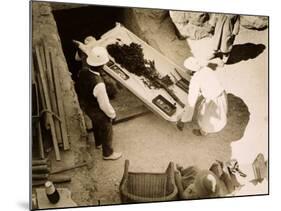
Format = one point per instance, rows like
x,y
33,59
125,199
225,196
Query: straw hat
x,y
194,64
98,56
207,184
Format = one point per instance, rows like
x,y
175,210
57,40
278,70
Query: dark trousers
x,y
102,127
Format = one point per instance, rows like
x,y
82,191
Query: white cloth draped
x,y
212,110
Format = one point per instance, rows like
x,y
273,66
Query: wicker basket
x,y
147,187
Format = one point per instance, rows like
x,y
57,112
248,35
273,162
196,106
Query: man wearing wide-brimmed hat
x,y
93,93
81,55
211,109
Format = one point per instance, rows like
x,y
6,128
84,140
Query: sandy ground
x,y
150,142
246,76
249,80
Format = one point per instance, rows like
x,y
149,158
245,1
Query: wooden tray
x,y
135,84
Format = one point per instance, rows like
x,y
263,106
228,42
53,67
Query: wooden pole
x,y
41,94
52,95
54,179
40,176
39,162
40,139
38,124
41,168
56,77
48,104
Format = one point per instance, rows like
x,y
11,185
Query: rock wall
x,y
64,6
156,28
193,25
144,23
44,28
254,22
196,25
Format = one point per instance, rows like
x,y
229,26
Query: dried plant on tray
x,y
131,58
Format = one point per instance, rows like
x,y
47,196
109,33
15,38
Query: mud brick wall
x,y
63,6
44,28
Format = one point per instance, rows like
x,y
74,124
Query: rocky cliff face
x,y
157,29
144,22
196,25
254,22
65,6
193,25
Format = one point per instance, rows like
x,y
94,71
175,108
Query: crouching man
x,y
194,183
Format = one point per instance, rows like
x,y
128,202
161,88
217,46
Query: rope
x,y
50,112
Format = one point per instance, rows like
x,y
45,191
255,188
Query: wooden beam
x,y
57,84
47,99
40,141
38,124
52,93
40,90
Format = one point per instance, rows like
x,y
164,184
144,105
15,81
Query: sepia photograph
x,y
139,105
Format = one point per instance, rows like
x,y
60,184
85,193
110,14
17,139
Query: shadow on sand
x,y
244,52
237,119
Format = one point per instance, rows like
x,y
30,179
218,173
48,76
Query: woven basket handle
x,y
126,172
170,169
126,168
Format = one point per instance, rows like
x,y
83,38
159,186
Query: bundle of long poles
x,y
36,125
41,173
47,77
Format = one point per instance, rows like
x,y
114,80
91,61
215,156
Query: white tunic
x,y
212,110
100,93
